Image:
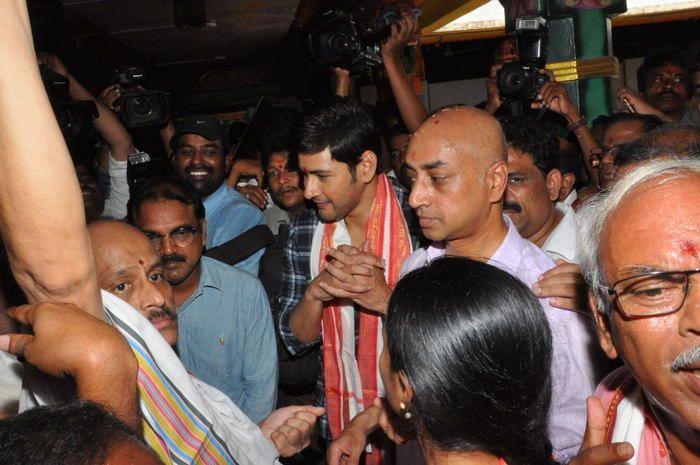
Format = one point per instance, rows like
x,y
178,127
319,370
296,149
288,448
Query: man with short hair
x,y
663,81
534,184
621,129
130,268
640,248
79,433
460,153
202,157
343,257
226,336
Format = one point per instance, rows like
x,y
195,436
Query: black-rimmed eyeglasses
x,y
656,293
181,237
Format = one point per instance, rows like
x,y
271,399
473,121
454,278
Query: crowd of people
x,y
461,287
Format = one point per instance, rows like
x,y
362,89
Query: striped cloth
x,y
185,421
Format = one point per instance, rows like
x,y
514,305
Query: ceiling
x,y
236,30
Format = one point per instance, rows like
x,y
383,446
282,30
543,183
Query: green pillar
x,y
578,30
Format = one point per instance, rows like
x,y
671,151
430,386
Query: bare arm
x,y
411,108
555,98
42,221
343,82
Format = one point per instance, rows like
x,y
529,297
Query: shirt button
x,y
221,340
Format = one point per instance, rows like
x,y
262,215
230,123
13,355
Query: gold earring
x,y
404,411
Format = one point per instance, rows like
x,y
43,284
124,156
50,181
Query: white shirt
x,y
571,198
118,195
561,242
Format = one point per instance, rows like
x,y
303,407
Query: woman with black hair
x,y
466,365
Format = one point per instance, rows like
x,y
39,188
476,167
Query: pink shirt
x,y
576,357
650,448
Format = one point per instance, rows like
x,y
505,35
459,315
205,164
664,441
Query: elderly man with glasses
x,y
225,331
640,245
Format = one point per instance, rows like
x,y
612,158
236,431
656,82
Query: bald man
x,y
457,164
129,267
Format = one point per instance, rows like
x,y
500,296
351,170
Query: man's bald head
x,y
129,267
467,130
456,162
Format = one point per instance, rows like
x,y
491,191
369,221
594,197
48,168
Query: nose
x,y
197,157
689,322
419,195
152,297
167,247
286,177
311,189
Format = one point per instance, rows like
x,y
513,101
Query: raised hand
x,y
594,450
290,428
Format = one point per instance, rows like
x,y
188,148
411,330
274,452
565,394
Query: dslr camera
x,y
74,117
520,81
140,107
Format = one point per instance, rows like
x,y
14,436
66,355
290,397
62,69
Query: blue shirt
x,y
228,215
227,339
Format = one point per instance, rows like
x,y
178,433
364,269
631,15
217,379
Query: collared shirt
x,y
571,198
629,418
575,352
296,275
226,337
229,215
561,242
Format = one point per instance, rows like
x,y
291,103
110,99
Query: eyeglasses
x,y
597,154
652,294
181,237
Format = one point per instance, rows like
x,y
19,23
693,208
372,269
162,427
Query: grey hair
x,y
594,214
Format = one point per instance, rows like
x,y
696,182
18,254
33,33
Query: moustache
x,y
685,360
173,258
515,207
163,313
668,93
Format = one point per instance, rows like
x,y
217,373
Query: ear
x,y
203,225
406,390
554,181
602,322
366,168
567,184
497,181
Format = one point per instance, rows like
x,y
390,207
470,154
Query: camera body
x,y
74,117
344,41
521,80
341,41
139,107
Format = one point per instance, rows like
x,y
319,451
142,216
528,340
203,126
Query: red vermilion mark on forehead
x,y
141,262
690,248
437,121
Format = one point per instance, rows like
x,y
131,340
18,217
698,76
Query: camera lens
x,y
340,42
142,106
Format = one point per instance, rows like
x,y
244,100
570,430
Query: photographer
x,y
119,146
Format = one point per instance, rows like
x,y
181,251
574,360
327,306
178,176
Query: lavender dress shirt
x,y
575,351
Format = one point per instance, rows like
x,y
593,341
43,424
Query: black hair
x,y
662,56
671,139
275,132
649,122
476,348
77,433
569,161
165,188
534,139
344,126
